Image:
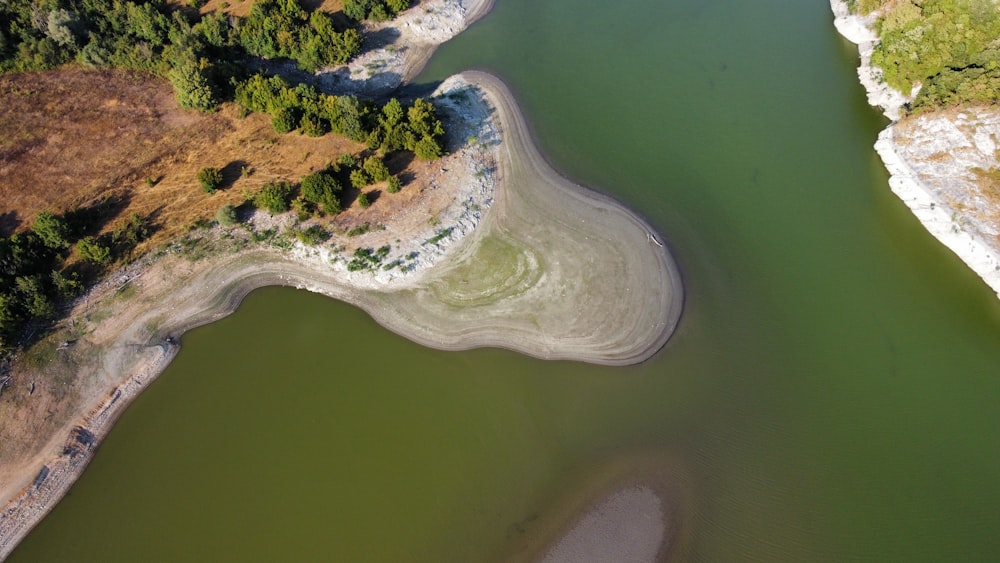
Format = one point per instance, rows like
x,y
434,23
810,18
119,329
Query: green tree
x,y
394,185
93,251
274,197
313,125
210,179
427,149
363,200
51,230
192,85
376,168
360,179
322,188
226,215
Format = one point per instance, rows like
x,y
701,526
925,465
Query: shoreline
x,y
532,310
414,38
962,235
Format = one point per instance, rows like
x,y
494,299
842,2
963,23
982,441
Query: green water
x,y
831,395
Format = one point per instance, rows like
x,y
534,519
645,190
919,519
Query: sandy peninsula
x,y
500,252
935,160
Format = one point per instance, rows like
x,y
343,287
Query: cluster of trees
x,y
195,53
378,10
391,127
320,192
34,276
281,28
948,47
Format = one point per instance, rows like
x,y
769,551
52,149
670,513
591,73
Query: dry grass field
x,y
71,138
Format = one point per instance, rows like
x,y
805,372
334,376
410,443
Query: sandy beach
x,y
517,250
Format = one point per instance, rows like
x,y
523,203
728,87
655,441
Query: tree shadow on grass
x,y
91,218
9,223
232,172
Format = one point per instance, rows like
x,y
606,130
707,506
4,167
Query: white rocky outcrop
x,y
936,160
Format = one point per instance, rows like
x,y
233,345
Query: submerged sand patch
x,y
630,507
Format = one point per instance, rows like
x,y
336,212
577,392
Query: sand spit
x,y
397,50
522,251
934,159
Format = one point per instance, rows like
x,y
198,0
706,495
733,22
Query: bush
x,y
274,197
347,160
360,179
363,200
210,179
394,184
51,230
284,120
427,149
226,216
312,235
322,188
192,83
312,125
92,251
376,168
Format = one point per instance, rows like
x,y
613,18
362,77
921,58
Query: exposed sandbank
x,y
931,159
551,270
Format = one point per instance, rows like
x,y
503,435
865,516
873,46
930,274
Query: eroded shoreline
x,y
554,245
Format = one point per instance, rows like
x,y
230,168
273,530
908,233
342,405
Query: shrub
x,y
274,197
312,125
226,216
322,188
347,160
284,120
51,230
210,179
427,149
363,200
376,168
312,235
92,251
359,179
394,184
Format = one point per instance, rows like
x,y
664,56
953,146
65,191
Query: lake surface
x,y
831,394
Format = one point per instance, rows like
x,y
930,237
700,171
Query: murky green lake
x,y
832,393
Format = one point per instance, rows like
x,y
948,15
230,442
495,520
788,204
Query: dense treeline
x,y
281,28
948,47
196,55
34,275
378,10
391,127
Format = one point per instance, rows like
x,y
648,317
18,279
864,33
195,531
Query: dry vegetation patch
x,y
73,138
